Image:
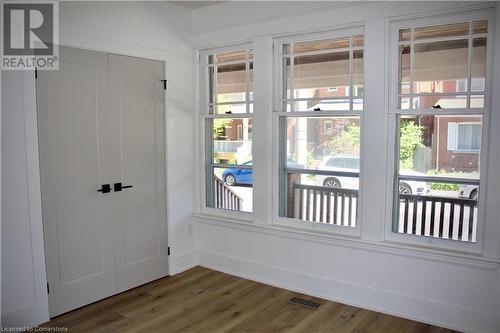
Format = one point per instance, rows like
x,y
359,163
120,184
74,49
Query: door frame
x,y
32,142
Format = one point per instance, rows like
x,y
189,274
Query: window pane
x,y
329,44
250,81
439,102
231,83
231,56
232,140
445,146
357,73
211,84
440,67
287,78
357,40
228,108
439,31
442,210
480,27
477,101
404,70
404,35
321,75
231,188
478,64
323,199
323,143
323,105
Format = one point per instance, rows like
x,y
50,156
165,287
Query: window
x,y
464,136
441,90
227,106
327,127
319,127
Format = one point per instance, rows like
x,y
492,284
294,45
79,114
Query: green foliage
x,y
353,133
347,143
442,186
410,140
219,125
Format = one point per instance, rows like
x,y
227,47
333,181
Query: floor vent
x,y
305,303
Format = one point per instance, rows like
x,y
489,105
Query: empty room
x,y
250,166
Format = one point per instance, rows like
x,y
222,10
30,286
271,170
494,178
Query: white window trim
x,y
285,222
422,241
202,114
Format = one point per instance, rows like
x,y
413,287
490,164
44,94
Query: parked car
x,y
468,191
234,176
351,164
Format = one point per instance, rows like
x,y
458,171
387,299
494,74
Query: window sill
x,y
458,151
445,256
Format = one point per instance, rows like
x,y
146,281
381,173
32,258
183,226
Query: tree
x,y
410,140
346,143
219,126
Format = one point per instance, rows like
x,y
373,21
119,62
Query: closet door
x,y
75,131
137,104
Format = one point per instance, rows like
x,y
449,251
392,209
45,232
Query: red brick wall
x,y
452,160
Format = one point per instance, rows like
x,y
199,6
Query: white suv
x,y
351,164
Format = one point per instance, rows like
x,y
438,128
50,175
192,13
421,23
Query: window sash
x,y
410,25
207,118
282,72
395,111
281,106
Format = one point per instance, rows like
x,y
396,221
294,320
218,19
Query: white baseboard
x,y
185,261
413,307
28,316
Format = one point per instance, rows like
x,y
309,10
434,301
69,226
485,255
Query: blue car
x,y
238,176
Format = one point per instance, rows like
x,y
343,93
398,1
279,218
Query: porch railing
x,y
450,218
224,197
325,204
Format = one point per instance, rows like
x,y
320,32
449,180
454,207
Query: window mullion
x,y
262,133
373,135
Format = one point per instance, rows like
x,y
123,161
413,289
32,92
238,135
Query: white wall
x,y
155,30
450,289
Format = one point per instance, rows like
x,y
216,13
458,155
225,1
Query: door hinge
x,y
48,288
164,84
168,250
36,73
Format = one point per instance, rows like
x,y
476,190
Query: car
x,y
468,191
351,164
235,176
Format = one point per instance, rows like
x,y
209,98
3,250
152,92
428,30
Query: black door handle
x,y
118,187
105,188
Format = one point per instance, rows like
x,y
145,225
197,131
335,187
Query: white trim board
x,y
354,243
36,310
184,261
411,307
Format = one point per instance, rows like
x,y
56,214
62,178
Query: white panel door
x,y
137,104
75,131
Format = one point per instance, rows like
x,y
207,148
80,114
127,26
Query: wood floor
x,y
203,300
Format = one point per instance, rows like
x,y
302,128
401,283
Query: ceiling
x,y
196,4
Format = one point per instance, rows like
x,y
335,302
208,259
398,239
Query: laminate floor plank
x,y
202,300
